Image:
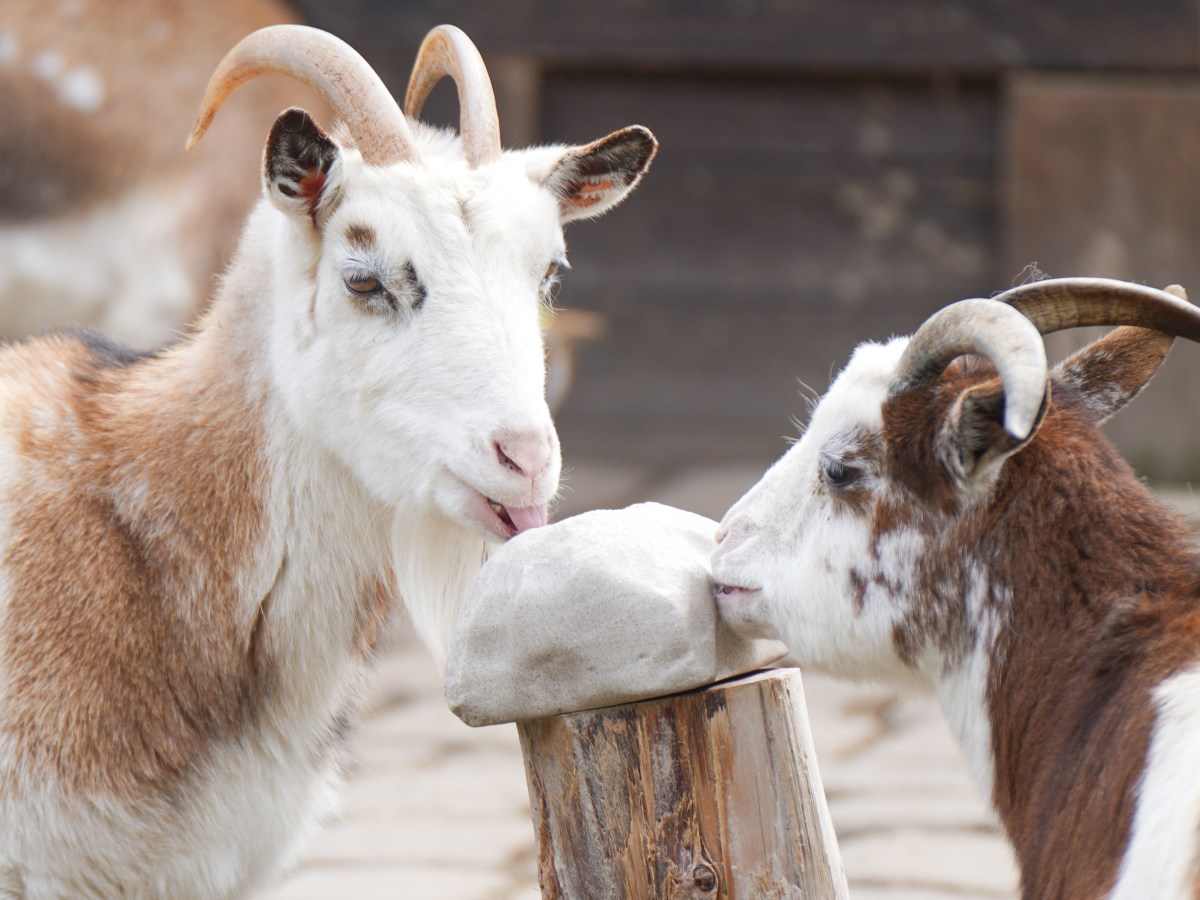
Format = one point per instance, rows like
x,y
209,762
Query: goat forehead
x,y
457,212
854,402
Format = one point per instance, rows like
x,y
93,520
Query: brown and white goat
x,y
953,517
198,548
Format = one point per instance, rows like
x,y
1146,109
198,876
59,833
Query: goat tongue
x,y
529,517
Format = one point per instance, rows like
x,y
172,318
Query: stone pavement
x,y
438,811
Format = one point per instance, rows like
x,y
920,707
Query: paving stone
x,y
946,859
475,842
398,882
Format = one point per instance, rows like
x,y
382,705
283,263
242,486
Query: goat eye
x,y
550,281
363,284
839,475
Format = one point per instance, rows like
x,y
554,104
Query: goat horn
x,y
448,51
1060,303
992,330
330,66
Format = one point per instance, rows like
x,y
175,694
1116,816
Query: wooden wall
x,y
831,172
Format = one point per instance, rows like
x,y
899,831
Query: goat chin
x,y
436,563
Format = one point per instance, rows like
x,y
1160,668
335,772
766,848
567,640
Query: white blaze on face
x,y
433,394
808,569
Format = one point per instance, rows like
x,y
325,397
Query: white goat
x,y
964,524
197,547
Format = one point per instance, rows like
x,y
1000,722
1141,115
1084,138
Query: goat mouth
x,y
730,596
508,521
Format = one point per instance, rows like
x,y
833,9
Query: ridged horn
x,y
1060,303
328,65
447,51
995,331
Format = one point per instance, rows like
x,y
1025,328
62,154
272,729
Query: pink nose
x,y
527,453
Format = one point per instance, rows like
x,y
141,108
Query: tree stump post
x,y
709,794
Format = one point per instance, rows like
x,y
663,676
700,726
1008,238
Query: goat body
x,y
1036,585
199,548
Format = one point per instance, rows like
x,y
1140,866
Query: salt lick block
x,y
600,609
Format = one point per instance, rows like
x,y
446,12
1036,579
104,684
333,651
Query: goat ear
x,y
591,180
302,167
1113,370
973,440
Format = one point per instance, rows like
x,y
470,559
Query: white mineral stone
x,y
600,609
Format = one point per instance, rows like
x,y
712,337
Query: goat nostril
x,y
506,460
526,453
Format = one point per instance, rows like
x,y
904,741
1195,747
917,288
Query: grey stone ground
x,y
438,811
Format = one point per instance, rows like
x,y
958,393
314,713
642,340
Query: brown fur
x,y
374,609
361,236
1098,616
129,609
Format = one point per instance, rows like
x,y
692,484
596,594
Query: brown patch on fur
x,y
1100,616
361,237
374,609
889,514
1096,592
910,439
127,649
858,591
864,452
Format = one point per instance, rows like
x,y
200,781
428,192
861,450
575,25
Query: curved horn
x,y
327,64
448,51
992,330
1060,303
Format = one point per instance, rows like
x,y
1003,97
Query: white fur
x,y
791,549
786,539
381,439
789,538
962,688
1163,859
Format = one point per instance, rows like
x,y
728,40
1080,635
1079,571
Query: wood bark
x,y
710,794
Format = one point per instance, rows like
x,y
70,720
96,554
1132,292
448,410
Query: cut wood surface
x,y
712,793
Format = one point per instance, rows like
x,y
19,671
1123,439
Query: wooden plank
x,y
980,36
753,256
810,191
1102,180
710,794
667,384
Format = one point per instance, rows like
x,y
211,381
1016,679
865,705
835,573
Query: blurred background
x,y
829,172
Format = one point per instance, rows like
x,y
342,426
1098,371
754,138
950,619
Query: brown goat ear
x,y
973,442
1113,370
591,180
302,167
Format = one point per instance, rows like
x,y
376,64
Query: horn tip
x,y
194,138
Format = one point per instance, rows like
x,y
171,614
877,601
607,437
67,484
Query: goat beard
x,y
436,561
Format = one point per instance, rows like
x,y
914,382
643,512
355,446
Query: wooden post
x,y
712,793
